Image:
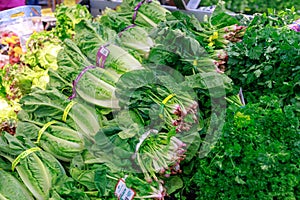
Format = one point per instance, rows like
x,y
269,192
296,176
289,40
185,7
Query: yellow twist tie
x,y
215,35
43,130
195,62
67,110
168,98
211,44
23,155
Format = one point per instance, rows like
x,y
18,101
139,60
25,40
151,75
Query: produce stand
x,y
137,100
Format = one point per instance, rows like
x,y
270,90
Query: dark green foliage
x,y
257,156
267,61
254,6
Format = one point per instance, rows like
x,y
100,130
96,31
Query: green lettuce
x,y
91,36
67,18
46,105
36,169
12,188
60,140
42,50
134,39
149,14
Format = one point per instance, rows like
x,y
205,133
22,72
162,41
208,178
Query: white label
x,y
104,51
122,192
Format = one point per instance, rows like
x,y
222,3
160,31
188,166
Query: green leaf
x,y
239,180
101,181
173,184
257,73
12,188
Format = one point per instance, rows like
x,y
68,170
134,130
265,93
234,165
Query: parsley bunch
x,y
257,156
267,61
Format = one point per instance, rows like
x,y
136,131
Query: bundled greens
x,y
47,105
60,140
96,36
159,152
36,168
190,46
131,36
149,14
157,98
119,107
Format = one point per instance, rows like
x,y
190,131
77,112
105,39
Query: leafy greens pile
x,y
133,97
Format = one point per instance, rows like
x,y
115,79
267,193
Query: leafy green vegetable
x,y
58,139
96,177
256,157
159,153
65,187
36,169
67,18
158,98
97,85
114,20
8,113
12,188
266,61
130,36
94,37
152,12
145,190
176,41
173,183
136,38
254,6
42,50
112,151
193,47
46,105
16,81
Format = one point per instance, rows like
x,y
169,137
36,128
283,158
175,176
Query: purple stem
x,y
75,82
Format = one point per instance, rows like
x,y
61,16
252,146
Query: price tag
x,y
102,55
122,192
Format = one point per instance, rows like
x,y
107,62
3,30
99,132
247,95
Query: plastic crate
x,y
21,11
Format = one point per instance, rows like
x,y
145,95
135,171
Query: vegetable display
x,y
144,103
